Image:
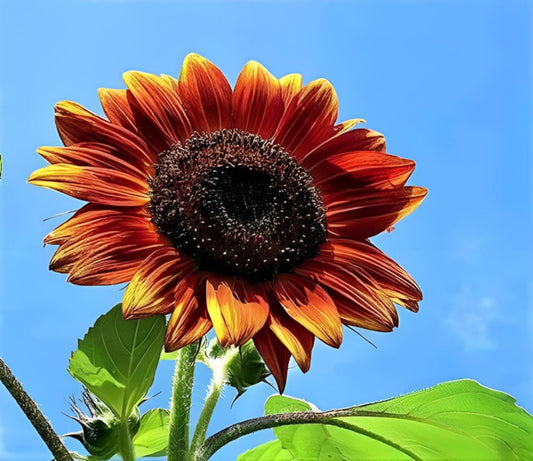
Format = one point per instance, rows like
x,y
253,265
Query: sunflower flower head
x,y
247,210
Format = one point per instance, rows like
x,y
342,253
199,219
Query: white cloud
x,y
471,319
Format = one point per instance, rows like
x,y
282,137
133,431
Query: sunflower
x,y
246,210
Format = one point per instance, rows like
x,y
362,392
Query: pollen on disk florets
x,y
237,204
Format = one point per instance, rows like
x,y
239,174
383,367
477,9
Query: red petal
x,y
93,184
206,94
96,155
117,108
353,170
151,290
360,139
257,101
309,119
290,86
298,340
235,320
275,355
390,276
361,214
101,247
362,297
92,219
157,109
311,306
190,320
76,124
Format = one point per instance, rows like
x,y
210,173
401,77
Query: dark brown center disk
x,y
237,204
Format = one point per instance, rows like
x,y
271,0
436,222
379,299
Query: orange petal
x,y
235,320
93,184
257,102
189,321
362,294
360,139
290,86
103,248
151,290
309,119
117,108
361,215
157,109
76,124
96,155
353,170
298,340
391,277
275,355
310,305
206,94
93,219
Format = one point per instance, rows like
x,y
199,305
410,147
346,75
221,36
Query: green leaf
x,y
117,359
152,437
270,451
455,420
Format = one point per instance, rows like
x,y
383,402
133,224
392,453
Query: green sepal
x,y
100,434
243,369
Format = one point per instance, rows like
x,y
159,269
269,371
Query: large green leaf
x,y
270,451
458,420
152,437
117,359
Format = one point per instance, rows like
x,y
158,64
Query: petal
x,y
206,94
360,139
190,320
309,119
352,170
291,85
117,108
157,110
363,214
92,219
151,290
103,248
361,296
298,340
93,184
310,305
391,277
257,101
275,355
96,155
76,124
235,320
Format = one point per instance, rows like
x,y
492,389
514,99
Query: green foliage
x,y
117,359
151,439
455,420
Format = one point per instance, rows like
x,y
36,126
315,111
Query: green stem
x,y
220,370
34,414
233,432
180,406
127,450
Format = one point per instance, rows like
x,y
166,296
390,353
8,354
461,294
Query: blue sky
x,y
447,82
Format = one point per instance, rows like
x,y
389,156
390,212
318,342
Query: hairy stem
x,y
180,405
34,414
127,450
220,368
235,431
